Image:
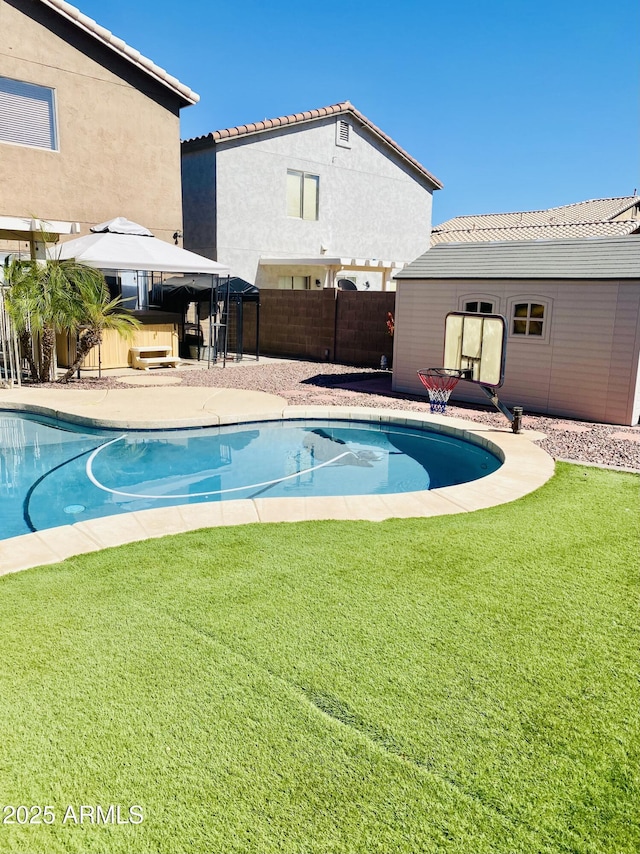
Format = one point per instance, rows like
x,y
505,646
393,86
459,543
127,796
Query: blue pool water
x,y
55,473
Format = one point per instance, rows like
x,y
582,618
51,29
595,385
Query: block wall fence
x,y
328,325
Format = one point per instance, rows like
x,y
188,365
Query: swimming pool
x,y
55,473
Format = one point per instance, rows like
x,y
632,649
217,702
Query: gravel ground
x,y
328,384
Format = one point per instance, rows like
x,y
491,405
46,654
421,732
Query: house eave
x,y
105,37
337,262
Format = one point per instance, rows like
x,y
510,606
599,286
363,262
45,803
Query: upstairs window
x,y
27,114
302,194
528,319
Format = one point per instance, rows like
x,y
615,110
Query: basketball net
x,y
439,383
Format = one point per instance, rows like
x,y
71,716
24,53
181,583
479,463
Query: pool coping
x,y
525,468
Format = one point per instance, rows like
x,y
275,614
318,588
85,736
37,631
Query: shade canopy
x,y
121,225
198,288
122,245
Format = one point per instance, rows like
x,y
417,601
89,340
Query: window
x,y
343,133
293,283
528,319
27,114
302,194
479,307
479,303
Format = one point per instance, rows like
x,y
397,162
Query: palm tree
x,y
46,297
18,304
40,302
94,312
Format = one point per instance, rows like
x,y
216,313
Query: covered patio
x,y
329,271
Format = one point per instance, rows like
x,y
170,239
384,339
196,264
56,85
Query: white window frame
x,y
303,178
288,283
30,115
530,300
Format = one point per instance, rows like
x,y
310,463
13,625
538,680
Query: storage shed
x,y
573,318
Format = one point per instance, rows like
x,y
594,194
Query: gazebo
x,y
135,263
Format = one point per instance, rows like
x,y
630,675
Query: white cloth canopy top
x,y
121,225
123,245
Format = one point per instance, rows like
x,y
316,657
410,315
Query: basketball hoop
x,y
439,383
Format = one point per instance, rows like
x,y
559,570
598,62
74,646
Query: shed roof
x,y
342,108
590,258
592,218
88,25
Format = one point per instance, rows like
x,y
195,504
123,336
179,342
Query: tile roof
x,y
343,108
88,25
593,218
537,232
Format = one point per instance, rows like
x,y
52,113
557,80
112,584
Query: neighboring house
x,y
573,315
89,128
306,200
594,218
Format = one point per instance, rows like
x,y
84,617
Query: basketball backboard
x,y
476,344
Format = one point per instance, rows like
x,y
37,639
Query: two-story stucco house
x,y
306,201
89,128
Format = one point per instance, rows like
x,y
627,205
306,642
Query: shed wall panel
x,y
623,384
592,344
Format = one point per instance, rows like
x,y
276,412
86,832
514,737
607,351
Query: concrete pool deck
x,y
525,467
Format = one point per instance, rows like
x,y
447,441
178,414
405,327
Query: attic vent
x,y
343,133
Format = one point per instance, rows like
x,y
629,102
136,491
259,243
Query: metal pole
x,y
514,417
225,317
516,424
213,293
239,328
258,330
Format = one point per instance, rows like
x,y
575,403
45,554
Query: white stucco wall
x,y
371,205
586,366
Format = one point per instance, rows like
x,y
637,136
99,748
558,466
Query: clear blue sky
x,y
512,104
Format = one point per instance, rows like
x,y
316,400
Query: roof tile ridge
x,y
339,108
484,215
277,121
104,35
524,225
623,199
537,242
627,202
348,107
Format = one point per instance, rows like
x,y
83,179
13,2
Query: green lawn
x,y
459,684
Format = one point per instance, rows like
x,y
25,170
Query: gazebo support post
x,y
212,314
239,329
258,330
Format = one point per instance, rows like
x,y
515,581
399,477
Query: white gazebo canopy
x,y
124,245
